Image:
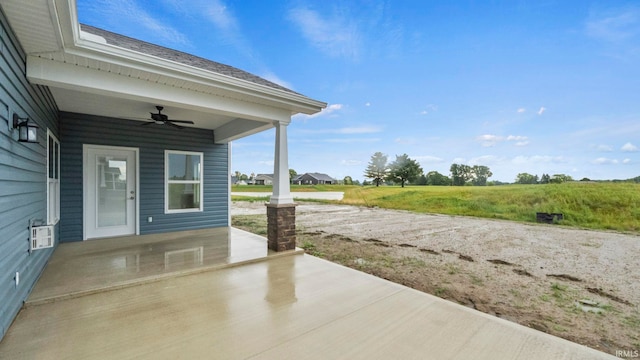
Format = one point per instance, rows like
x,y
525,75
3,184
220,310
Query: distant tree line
x,y
405,170
526,178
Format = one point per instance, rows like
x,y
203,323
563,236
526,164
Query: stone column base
x,y
281,226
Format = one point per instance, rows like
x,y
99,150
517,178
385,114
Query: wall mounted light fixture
x,y
27,132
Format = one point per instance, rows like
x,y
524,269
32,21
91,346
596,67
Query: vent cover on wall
x,y
41,237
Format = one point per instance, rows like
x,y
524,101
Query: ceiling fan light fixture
x,y
161,119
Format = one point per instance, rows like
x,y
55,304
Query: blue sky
x,y
519,86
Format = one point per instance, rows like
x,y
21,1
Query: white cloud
x,y
351,162
352,140
360,130
626,161
218,13
485,160
604,161
537,159
405,140
629,147
604,148
429,109
275,79
542,110
367,104
266,162
614,26
489,140
521,110
336,36
520,140
129,12
516,138
366,129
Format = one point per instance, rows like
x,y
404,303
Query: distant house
x,y
237,181
314,179
263,179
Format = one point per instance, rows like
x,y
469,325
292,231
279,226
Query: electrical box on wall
x,y
41,237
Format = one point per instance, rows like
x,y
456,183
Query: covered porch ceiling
x,y
95,72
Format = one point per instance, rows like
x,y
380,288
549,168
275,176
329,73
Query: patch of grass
x,y
476,280
440,291
632,321
256,224
259,199
452,269
412,262
559,328
515,293
603,206
310,248
558,291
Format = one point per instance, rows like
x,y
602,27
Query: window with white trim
x,y
183,181
53,179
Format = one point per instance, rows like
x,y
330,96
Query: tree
x,y
437,179
292,174
377,168
348,180
526,178
560,178
480,175
422,180
460,174
545,179
404,169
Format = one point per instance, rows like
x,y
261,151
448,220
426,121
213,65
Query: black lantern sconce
x,y
27,132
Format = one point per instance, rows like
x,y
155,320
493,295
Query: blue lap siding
x,y
23,189
152,141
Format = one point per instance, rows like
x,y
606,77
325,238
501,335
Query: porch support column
x,y
281,210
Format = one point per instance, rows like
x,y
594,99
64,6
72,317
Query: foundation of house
x,y
281,226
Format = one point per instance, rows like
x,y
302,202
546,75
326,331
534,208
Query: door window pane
x,y
112,191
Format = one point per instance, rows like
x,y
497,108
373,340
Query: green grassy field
x,y
604,206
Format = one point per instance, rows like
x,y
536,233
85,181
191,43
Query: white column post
x,y
281,188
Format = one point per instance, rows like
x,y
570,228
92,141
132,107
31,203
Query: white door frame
x,y
85,183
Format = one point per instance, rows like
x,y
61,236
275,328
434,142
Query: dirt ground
x,y
580,285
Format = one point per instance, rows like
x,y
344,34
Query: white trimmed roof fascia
x,y
76,42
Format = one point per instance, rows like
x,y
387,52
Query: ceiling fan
x,y
162,119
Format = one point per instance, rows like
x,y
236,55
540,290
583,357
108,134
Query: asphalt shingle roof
x,y
179,56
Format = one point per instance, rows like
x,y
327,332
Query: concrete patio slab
x,y
294,307
82,268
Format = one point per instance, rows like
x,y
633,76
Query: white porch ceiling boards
x,y
88,74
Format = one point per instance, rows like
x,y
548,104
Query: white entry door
x,y
110,191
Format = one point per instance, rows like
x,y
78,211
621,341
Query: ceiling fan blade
x,y
147,123
181,121
174,125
